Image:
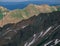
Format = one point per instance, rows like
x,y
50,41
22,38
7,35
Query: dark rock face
x,y
41,30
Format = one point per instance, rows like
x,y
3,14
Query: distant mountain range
x,y
13,16
20,5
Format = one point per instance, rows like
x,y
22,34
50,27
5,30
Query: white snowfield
x,y
56,41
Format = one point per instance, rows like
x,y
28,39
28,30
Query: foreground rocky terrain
x,y
38,30
14,16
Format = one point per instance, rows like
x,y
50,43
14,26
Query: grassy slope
x,y
3,12
1,16
31,10
58,9
20,14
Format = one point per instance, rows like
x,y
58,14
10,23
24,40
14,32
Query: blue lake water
x,y
21,5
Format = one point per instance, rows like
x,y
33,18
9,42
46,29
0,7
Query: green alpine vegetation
x,y
3,12
17,15
1,16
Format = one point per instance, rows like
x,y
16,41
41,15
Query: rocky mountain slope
x,y
3,10
17,15
58,7
38,30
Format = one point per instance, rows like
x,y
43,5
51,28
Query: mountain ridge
x,y
27,30
14,16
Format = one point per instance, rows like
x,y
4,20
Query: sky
x,y
12,0
27,0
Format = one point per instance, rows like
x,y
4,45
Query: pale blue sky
x,y
12,0
27,0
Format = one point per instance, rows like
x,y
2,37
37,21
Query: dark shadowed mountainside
x,y
41,30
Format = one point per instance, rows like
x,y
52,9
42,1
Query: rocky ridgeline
x,y
3,10
17,15
40,30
